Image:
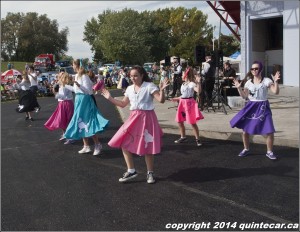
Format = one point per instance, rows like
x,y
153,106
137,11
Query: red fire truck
x,y
44,61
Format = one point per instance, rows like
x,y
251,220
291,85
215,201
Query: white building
x,y
270,33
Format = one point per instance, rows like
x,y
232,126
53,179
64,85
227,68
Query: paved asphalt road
x,y
48,186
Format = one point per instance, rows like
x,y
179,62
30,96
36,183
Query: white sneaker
x,y
69,141
85,149
62,137
150,178
97,149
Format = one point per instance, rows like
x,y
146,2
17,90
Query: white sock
x,y
148,172
268,152
132,170
246,149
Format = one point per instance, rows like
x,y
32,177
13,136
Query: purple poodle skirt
x,y
255,118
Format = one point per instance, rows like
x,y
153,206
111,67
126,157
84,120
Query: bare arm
x,y
160,95
198,88
121,103
243,93
275,87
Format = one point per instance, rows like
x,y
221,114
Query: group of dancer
x,y
141,133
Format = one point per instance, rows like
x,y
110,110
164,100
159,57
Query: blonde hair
x,y
25,76
63,79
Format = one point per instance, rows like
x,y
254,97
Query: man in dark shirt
x,y
229,76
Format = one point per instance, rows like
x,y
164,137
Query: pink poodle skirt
x,y
188,111
140,134
62,116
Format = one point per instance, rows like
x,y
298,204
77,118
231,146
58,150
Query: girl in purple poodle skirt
x,y
256,116
140,134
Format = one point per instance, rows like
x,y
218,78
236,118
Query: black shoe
x,y
181,140
31,119
198,142
26,118
128,176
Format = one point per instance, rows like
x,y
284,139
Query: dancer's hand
x,y
164,84
237,84
105,93
174,99
276,77
198,78
78,85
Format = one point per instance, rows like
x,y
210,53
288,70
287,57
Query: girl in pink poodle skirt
x,y
140,134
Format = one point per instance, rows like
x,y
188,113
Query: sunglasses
x,y
254,69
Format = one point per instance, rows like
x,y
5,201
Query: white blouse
x,y
64,93
143,99
31,77
86,85
25,85
187,89
258,92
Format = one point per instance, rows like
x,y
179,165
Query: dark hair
x,y
260,65
248,76
142,72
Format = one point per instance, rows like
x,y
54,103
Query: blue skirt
x,y
87,119
255,118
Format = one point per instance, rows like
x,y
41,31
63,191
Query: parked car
x,y
68,69
62,63
108,66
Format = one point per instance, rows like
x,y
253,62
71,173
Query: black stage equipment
x,y
167,61
217,96
199,54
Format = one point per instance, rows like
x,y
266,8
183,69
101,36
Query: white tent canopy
x,y
172,60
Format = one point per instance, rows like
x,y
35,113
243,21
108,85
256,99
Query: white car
x,y
108,66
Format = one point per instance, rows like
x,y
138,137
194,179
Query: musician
x,y
177,79
229,77
208,82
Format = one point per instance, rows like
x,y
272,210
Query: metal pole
x,y
219,34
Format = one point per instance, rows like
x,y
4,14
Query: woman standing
x,y
87,121
256,116
141,133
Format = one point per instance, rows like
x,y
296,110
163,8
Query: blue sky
x,y
74,14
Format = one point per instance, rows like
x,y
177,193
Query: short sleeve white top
x,y
143,99
258,92
187,89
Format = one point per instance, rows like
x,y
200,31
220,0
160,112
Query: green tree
x,y
120,36
25,36
189,28
229,44
10,27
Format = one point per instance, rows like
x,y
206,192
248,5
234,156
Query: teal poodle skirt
x,y
87,119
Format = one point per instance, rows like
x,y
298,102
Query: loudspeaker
x,y
167,61
199,54
218,58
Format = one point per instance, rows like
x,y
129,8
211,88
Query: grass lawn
x,y
20,66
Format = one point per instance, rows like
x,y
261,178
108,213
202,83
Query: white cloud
x,y
74,14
